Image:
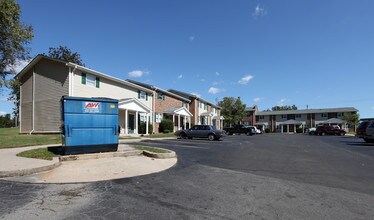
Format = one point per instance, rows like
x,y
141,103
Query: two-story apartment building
x,y
290,120
44,81
168,105
249,118
204,112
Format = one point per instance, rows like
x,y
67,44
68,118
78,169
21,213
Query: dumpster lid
x,y
93,99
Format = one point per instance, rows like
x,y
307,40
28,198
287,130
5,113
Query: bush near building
x,y
166,126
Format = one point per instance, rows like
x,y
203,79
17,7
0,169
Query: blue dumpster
x,y
89,125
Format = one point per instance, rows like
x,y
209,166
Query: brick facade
x,y
163,104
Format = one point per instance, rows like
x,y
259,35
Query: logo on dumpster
x,y
91,107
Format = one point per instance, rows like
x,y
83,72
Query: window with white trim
x,y
90,80
324,115
261,117
284,116
298,116
158,117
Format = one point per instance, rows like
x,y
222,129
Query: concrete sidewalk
x,y
126,162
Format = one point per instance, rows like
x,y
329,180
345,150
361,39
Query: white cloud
x,y
180,76
18,66
214,90
245,80
259,11
217,73
137,73
257,99
217,82
2,113
282,101
196,94
192,38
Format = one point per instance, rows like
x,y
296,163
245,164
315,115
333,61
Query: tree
x,y
284,108
352,119
14,36
65,54
14,96
6,121
233,110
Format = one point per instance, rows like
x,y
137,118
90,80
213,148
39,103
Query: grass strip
x,y
10,138
39,153
161,135
152,149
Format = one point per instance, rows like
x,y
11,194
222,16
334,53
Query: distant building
x,y
250,116
290,120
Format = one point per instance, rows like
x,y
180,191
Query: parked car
x,y
257,131
239,129
369,133
361,129
329,130
312,131
200,131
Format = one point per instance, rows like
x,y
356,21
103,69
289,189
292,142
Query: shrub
x,y
299,130
142,128
166,125
267,130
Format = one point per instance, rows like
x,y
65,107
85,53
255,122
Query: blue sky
x,y
315,53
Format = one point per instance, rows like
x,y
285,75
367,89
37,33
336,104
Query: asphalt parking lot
x,y
269,176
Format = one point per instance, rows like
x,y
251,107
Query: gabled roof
x,y
33,62
97,73
308,111
191,97
39,57
148,86
133,104
176,110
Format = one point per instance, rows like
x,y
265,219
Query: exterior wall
x,y
107,88
195,111
51,83
26,102
162,105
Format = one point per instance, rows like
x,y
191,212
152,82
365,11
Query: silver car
x,y
369,134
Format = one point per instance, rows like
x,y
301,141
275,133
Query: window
x,y
90,80
158,117
298,116
340,114
160,96
205,106
214,110
261,117
324,115
142,95
284,116
184,104
200,104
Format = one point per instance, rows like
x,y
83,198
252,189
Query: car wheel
x,y
323,133
183,135
229,133
249,133
211,137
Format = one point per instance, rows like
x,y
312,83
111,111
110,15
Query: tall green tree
x,y
352,119
233,110
65,54
14,36
284,108
14,96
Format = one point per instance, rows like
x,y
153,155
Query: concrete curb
x,y
100,155
171,154
24,172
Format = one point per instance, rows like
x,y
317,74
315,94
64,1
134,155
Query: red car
x,y
329,130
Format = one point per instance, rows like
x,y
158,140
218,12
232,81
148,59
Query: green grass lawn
x,y
10,138
152,149
161,135
39,153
